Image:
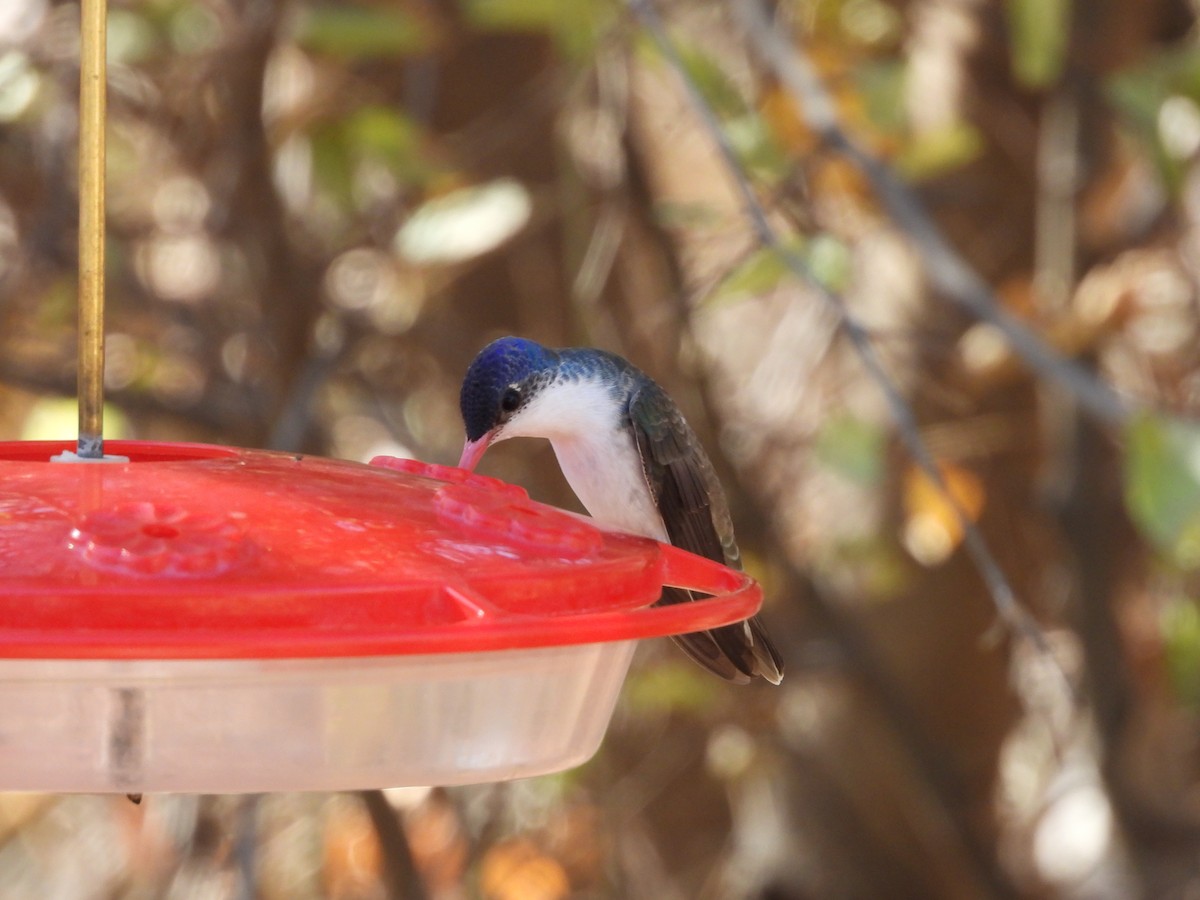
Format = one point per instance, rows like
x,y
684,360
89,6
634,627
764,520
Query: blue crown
x,y
503,362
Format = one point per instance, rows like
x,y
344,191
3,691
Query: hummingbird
x,y
631,459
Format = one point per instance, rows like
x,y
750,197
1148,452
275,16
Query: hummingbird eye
x,y
510,400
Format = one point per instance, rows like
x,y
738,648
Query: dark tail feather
x,y
737,652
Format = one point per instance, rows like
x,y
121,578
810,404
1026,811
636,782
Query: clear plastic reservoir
x,y
215,620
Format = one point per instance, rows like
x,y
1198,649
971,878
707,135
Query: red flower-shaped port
x,y
160,539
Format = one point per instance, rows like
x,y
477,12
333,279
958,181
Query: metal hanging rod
x,y
92,82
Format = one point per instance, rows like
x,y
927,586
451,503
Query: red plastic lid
x,y
197,551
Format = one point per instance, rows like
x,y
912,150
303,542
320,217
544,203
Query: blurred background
x,y
318,212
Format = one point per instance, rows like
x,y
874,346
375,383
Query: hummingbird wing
x,y
692,504
681,478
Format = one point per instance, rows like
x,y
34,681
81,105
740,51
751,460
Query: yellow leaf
x,y
351,857
778,110
932,529
518,870
835,176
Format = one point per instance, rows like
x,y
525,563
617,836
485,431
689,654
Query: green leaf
x,y
940,150
194,28
670,686
132,39
853,448
353,32
871,22
870,566
684,214
516,15
1039,31
710,79
751,137
761,271
333,164
882,85
375,134
830,261
575,24
1162,485
387,136
1181,638
1139,92
382,130
826,257
755,144
19,84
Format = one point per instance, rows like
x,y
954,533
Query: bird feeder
x,y
186,617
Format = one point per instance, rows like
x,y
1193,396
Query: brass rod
x,y
92,80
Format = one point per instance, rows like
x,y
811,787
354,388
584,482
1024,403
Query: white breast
x,y
597,455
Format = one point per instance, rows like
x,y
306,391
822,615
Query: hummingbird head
x,y
498,386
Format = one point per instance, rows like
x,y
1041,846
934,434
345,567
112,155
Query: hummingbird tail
x,y
737,652
750,637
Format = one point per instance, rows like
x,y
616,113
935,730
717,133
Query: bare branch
x,y
946,269
1003,596
400,876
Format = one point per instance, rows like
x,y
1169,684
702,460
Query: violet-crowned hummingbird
x,y
630,457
